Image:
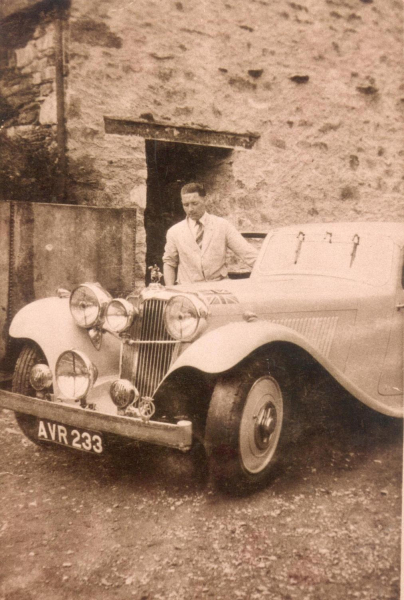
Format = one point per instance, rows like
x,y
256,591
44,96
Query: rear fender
x,y
49,324
225,347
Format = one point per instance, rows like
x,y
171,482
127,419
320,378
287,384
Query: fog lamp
x,y
75,374
40,377
123,393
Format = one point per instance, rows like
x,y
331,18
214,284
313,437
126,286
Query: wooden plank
x,y
4,274
64,245
61,245
22,271
180,134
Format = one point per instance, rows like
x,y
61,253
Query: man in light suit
x,y
196,247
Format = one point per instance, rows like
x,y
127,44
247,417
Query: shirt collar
x,y
201,220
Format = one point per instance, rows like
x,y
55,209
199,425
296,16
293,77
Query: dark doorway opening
x,y
170,166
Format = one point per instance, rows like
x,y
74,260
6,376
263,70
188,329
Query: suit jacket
x,y
209,263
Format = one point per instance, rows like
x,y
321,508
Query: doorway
x,y
171,165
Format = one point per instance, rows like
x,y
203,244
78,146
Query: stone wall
x,y
28,105
320,82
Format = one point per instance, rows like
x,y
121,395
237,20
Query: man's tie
x,y
199,234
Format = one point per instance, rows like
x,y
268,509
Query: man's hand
x,y
169,274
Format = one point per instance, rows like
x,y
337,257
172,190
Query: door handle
x,y
399,306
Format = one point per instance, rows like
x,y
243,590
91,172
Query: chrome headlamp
x,y
119,314
87,304
75,374
185,317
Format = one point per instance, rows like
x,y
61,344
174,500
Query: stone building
x,y
288,111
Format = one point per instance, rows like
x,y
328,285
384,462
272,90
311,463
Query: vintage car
x,y
213,363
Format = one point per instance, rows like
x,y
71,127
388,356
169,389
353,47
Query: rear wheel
x,y
245,424
30,355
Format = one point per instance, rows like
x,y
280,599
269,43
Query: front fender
x,y
225,347
49,324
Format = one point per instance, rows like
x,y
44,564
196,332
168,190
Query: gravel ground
x,y
146,523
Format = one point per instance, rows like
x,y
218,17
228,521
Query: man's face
x,y
194,205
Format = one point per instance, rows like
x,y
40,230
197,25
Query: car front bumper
x,y
177,435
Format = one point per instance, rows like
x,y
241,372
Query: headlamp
x,y
87,304
119,314
185,317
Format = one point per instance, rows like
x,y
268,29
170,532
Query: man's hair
x,y
191,188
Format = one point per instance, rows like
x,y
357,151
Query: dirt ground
x,y
146,523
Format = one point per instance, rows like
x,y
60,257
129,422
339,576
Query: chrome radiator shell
x,y
147,354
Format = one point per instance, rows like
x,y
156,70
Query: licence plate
x,y
73,437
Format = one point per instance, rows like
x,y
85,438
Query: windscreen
x,y
366,259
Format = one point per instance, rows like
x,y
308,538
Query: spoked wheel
x,y
245,424
30,355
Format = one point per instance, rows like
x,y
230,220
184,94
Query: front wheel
x,y
30,355
245,424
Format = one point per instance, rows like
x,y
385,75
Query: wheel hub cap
x,y
261,424
265,425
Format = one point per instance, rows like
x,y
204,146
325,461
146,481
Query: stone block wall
x,y
321,83
28,105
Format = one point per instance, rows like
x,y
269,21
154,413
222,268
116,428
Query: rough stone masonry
x,y
320,83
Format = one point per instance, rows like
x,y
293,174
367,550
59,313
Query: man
x,y
196,247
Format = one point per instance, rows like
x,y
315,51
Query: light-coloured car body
x,y
329,292
350,322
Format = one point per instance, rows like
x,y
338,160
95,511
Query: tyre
x,y
245,427
30,355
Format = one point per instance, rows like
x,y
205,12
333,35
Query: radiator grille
x,y
146,364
